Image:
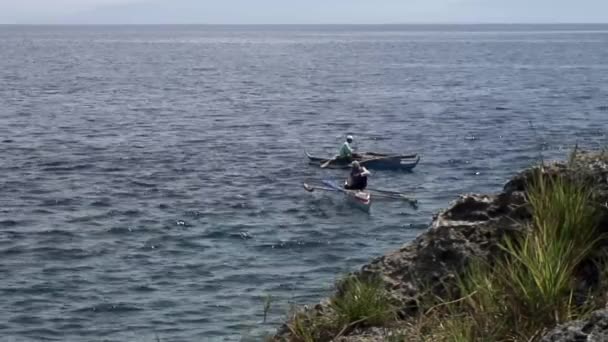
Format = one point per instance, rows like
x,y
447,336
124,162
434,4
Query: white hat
x,y
349,137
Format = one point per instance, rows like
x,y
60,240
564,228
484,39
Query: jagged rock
x,y
471,227
594,329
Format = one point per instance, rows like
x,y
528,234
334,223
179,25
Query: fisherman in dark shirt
x,y
358,177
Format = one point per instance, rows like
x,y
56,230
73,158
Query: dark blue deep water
x,y
151,176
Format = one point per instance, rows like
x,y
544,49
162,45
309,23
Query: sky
x,y
301,11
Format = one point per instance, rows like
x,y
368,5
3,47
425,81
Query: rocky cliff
x,y
472,227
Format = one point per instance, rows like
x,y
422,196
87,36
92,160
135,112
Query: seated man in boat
x,y
346,151
358,177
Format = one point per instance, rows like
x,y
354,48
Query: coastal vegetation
x,y
533,286
358,302
549,271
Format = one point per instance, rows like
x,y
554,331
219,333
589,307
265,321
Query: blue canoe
x,y
372,161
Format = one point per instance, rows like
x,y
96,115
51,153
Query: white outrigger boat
x,y
361,199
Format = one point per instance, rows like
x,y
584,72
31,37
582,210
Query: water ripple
x,y
152,176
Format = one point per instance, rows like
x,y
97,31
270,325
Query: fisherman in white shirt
x,y
346,151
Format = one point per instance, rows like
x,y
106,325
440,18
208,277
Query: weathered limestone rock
x,y
594,329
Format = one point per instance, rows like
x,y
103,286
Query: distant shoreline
x,y
367,25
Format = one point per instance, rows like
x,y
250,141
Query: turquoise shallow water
x,y
152,175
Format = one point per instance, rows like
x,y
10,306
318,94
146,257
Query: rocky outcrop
x,y
594,329
471,227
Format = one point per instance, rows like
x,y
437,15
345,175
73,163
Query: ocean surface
x,y
151,176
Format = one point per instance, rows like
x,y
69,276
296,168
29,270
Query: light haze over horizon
x,y
301,12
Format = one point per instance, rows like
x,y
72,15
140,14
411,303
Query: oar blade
x,y
326,164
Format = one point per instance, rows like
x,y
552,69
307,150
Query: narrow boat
x,y
362,202
374,161
359,199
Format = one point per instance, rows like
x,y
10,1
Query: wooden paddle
x,y
311,188
326,164
394,196
388,192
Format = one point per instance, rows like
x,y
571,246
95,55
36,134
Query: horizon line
x,y
307,24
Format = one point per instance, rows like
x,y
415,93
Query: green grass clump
x,y
365,302
438,326
540,267
531,288
306,328
359,302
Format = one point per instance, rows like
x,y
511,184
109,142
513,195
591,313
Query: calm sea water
x,y
151,176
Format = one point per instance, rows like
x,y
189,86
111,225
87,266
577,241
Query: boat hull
x,y
359,199
373,162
